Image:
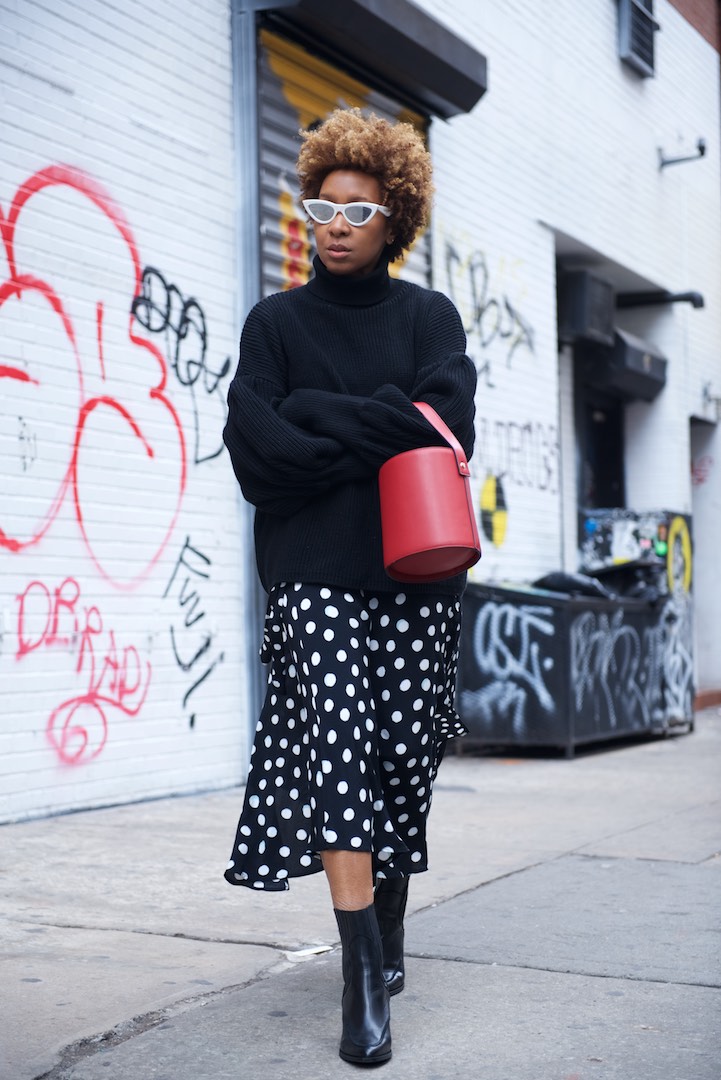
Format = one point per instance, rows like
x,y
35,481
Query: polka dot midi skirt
x,y
359,706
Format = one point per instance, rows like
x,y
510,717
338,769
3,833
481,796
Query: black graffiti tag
x,y
161,308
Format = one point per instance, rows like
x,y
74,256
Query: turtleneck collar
x,y
355,291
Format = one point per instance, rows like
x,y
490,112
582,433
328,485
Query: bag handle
x,y
442,428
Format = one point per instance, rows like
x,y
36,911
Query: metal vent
x,y
636,27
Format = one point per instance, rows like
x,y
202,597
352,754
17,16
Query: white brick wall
x,y
120,566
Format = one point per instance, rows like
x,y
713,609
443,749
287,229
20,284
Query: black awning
x,y
398,42
632,368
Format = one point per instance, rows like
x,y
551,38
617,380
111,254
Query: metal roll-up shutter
x,y
297,90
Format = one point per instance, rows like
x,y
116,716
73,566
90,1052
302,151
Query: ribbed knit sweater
x,y
321,398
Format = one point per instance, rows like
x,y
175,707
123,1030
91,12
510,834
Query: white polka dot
x,y
342,787
305,604
416,856
329,679
344,714
341,655
325,594
305,860
331,611
349,813
263,870
315,659
416,645
330,836
310,627
332,736
347,755
355,841
402,625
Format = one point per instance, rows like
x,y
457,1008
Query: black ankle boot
x,y
366,1038
391,896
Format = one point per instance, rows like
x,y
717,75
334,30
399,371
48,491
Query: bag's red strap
x,y
433,418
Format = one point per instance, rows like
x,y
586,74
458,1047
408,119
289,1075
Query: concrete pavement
x,y
568,930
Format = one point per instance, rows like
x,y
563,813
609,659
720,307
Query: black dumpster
x,y
576,663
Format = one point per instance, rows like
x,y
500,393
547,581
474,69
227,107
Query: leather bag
x,y
427,517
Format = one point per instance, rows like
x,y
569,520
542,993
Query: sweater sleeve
x,y
279,465
386,423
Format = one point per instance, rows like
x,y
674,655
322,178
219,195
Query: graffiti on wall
x,y
191,643
161,309
95,349
111,678
490,316
68,389
512,452
611,538
701,469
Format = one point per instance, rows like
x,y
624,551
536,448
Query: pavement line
x,y
561,971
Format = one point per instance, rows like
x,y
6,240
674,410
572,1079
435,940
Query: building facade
x,y
147,199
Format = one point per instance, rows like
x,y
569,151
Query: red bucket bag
x,y
428,523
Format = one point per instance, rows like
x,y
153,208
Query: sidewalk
x,y
568,930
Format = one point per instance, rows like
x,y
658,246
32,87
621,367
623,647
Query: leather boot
x,y
391,896
366,1038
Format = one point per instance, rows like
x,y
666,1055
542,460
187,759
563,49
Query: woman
x,y
361,669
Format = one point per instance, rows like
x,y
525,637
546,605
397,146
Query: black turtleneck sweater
x,y
321,398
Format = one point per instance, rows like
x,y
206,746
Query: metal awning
x,y
399,43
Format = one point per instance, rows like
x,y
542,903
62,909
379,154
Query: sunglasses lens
x,y
358,213
320,210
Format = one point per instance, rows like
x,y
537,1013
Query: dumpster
x,y
570,660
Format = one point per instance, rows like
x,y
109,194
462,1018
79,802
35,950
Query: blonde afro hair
x,y
392,152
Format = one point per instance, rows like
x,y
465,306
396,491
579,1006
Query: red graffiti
x,y
701,469
111,678
81,392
